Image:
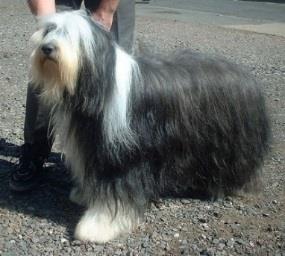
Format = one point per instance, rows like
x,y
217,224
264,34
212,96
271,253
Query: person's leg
x,y
36,128
123,24
37,139
37,144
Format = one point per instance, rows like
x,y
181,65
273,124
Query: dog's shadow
x,y
49,200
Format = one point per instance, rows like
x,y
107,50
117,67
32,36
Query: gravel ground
x,y
41,223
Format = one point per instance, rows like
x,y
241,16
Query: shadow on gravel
x,y
49,200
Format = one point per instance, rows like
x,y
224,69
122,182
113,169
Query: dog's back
x,y
202,121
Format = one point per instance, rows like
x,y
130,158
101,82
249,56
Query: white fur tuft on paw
x,y
98,226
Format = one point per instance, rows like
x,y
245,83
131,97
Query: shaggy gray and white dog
x,y
134,128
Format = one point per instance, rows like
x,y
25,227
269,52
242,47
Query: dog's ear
x,y
95,83
37,37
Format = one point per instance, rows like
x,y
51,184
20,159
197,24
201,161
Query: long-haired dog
x,y
133,128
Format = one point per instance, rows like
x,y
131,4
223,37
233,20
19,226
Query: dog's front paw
x,y
99,226
76,196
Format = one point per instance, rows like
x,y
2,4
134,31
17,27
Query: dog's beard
x,y
49,70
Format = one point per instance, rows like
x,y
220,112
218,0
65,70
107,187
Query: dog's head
x,y
66,46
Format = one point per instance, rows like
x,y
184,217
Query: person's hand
x,y
104,18
105,13
42,7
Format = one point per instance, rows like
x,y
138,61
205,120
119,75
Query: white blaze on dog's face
x,y
56,57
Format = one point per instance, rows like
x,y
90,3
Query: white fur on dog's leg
x,y
76,196
98,225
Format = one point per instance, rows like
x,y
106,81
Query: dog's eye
x,y
49,28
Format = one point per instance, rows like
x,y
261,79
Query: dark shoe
x,y
27,174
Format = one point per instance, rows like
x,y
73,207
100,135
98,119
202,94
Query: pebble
x,y
230,243
205,253
240,241
145,245
185,201
202,219
274,202
215,241
221,246
251,244
64,241
205,226
217,214
76,243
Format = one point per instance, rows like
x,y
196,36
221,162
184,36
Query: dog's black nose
x,y
47,49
